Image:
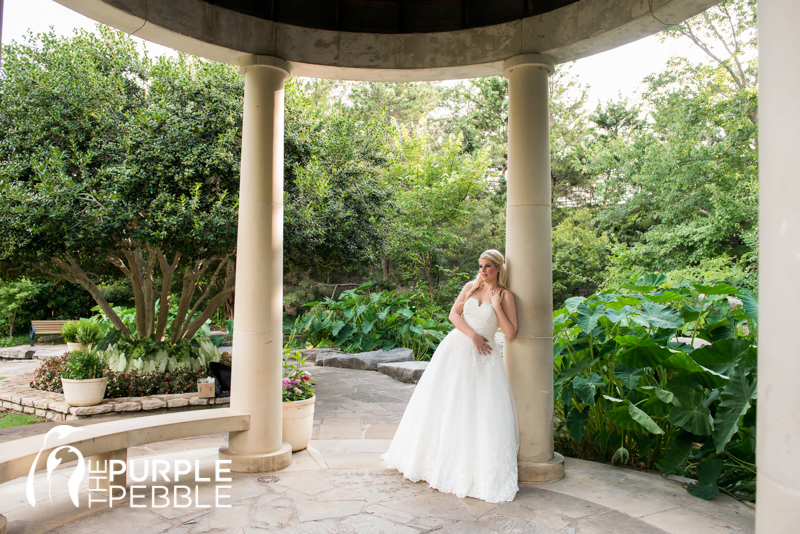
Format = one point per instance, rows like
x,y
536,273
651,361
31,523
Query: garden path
x,y
340,485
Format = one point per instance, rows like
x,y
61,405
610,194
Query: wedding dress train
x,y
459,431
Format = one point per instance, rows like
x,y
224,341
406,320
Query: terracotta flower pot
x,y
84,392
298,422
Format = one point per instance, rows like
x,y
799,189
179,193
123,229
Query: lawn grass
x,y
17,419
13,341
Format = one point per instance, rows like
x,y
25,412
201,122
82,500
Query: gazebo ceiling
x,y
392,16
398,40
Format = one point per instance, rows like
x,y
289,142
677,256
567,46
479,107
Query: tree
x,y
336,205
436,191
680,187
13,296
110,164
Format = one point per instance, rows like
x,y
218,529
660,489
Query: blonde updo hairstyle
x,y
496,257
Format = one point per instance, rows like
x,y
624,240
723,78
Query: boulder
x,y
408,372
367,360
317,355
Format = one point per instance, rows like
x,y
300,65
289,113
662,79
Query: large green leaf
x,y
630,417
587,317
707,477
721,355
719,289
641,352
647,282
643,419
664,295
691,415
662,316
572,303
584,390
674,456
576,423
750,303
735,400
630,377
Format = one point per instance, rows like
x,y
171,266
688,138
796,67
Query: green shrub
x,y
47,377
371,321
136,384
70,331
631,387
83,364
146,355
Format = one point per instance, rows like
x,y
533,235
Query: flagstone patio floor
x,y
340,485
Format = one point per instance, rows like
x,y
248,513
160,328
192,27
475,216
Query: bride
x,y
459,431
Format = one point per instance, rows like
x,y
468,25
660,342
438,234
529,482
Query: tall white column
x,y
778,441
529,357
257,335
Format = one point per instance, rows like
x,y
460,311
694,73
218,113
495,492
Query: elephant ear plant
x,y
661,376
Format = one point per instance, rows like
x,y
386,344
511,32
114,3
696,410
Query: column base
x,y
3,524
530,472
257,463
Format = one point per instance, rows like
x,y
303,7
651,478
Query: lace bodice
x,y
480,317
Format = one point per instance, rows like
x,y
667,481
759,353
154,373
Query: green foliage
x,y
580,256
13,296
336,206
437,190
297,383
70,331
677,175
83,364
132,383
85,331
47,376
138,384
371,321
17,419
146,355
631,386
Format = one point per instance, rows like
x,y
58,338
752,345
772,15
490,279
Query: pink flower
x,y
297,390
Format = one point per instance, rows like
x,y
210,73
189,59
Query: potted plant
x,y
70,333
83,378
89,333
298,401
81,334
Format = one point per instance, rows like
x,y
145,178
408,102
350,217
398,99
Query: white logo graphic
x,y
53,461
155,471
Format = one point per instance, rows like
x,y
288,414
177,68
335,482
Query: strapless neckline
x,y
479,302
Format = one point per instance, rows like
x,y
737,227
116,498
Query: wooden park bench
x,y
46,327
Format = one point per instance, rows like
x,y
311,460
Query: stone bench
x,y
103,442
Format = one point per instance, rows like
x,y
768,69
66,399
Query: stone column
x,y
778,443
529,357
258,336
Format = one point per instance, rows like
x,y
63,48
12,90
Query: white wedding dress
x,y
459,431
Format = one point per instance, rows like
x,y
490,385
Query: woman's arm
x,y
480,342
506,310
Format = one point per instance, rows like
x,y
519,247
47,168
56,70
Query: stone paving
x,y
340,485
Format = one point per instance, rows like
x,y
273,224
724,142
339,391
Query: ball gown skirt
x,y
459,431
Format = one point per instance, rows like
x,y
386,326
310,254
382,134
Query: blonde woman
x,y
459,432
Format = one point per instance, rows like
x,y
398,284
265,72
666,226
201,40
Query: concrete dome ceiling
x,y
398,40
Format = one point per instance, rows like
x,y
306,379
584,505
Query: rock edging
x,y
16,394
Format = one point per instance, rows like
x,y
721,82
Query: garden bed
x,y
17,395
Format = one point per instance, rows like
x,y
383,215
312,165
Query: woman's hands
x,y
497,298
481,343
